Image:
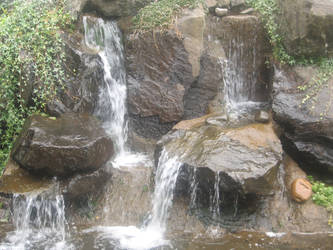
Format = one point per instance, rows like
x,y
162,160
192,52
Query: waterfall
x,y
104,38
39,222
215,203
240,73
151,234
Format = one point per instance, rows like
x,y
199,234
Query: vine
x,y
269,11
31,59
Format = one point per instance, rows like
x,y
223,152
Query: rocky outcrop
x,y
161,68
84,75
110,8
307,125
179,73
84,186
307,27
70,144
237,163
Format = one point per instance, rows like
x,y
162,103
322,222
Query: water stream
x,y
151,233
104,37
240,76
40,223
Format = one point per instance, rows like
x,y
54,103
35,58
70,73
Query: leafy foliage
x,y
323,196
269,11
31,55
160,14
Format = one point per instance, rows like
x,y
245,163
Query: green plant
x,y
31,59
160,14
269,10
318,82
323,196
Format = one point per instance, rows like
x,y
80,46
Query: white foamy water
x,y
104,37
39,224
239,81
151,234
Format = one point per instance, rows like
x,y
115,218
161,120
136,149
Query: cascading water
x,y
215,203
39,222
150,235
240,74
104,37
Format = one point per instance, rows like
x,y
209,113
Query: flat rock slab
x,y
68,145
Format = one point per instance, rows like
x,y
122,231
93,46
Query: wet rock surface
x,y
240,164
84,186
307,127
70,144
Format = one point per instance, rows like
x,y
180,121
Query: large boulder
x,y
307,26
161,67
70,144
307,122
235,163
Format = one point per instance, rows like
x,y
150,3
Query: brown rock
x,y
301,190
68,145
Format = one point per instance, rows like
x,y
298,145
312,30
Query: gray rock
x,y
68,145
262,116
81,186
217,120
220,12
307,127
307,26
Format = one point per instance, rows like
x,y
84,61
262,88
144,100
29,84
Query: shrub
x,y
30,44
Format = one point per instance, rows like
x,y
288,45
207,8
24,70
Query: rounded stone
x,y
301,190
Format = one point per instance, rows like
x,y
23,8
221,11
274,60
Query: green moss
x,y
31,44
160,14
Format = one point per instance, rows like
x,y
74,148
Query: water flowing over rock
x,y
70,144
39,221
307,127
306,27
226,164
246,77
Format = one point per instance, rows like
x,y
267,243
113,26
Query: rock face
x,y
301,190
82,186
161,67
241,162
70,144
307,127
180,73
84,77
307,26
109,8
